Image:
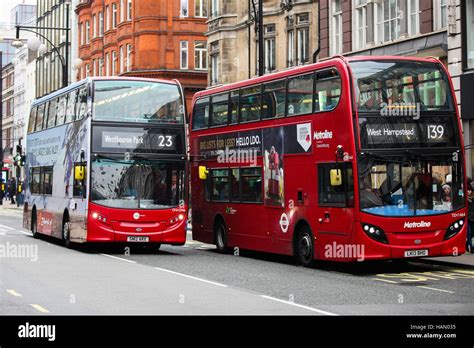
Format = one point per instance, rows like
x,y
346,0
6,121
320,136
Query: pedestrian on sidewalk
x,y
12,190
470,215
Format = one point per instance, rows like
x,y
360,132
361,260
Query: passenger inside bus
x,y
368,197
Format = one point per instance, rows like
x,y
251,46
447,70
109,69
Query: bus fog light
x,y
375,233
454,229
95,215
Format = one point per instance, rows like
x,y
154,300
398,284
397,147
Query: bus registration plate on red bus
x,y
137,239
416,253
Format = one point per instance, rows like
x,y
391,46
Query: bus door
x,y
335,216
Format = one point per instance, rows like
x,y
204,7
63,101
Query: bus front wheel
x,y
220,232
66,232
305,247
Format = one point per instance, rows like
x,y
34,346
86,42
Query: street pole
x,y
1,128
66,63
261,52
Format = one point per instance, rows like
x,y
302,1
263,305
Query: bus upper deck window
x,y
201,114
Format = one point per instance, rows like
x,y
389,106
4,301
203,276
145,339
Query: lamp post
x,y
35,45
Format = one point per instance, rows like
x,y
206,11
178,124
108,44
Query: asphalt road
x,y
195,280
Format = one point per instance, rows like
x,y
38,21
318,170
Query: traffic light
x,y
23,160
17,160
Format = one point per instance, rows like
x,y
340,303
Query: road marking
x,y
27,233
427,287
191,277
3,234
39,308
8,228
385,280
13,293
298,305
119,258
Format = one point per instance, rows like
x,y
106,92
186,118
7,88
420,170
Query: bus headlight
x,y
176,219
454,229
375,233
99,217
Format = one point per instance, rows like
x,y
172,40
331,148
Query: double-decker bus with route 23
x,y
106,162
347,159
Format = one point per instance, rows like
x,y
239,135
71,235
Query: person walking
x,y
12,190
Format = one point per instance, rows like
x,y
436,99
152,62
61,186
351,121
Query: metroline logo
x,y
318,135
417,224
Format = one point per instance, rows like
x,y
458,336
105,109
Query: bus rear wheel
x,y
66,233
220,232
34,225
305,247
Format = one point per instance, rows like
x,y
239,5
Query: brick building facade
x,y
144,38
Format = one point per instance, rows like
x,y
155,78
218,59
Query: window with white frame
x,y
336,26
101,23
200,55
87,29
128,61
388,20
94,67
121,60
129,12
107,64
107,17
81,34
269,44
114,63
413,8
114,15
360,22
183,54
101,67
94,26
184,8
302,38
88,70
214,63
440,14
123,10
215,10
200,8
291,48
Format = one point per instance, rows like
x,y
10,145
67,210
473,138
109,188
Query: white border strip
x,y
118,258
191,277
427,287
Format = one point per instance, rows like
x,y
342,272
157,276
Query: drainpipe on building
x,y
316,53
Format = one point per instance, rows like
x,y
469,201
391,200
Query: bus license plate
x,y
416,253
137,239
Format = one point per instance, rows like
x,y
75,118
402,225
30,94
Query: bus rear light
x,y
375,233
101,218
454,229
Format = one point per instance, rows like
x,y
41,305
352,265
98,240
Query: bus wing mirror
x,y
79,172
336,177
203,172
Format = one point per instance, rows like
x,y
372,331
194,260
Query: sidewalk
x,y
8,206
466,261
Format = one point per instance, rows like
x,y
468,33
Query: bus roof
x,y
96,78
306,68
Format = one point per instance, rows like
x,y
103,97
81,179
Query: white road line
x,y
298,305
191,277
13,293
427,287
119,258
3,234
39,308
8,228
24,232
385,280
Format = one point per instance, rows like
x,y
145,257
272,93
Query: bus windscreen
x,y
137,102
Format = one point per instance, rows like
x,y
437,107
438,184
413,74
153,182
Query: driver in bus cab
x,y
368,198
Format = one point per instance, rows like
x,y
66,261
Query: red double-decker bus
x,y
347,159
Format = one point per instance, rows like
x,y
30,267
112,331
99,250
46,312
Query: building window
x,y
215,11
114,63
388,20
184,55
214,63
123,10
129,58
101,23
107,17
302,38
94,26
269,41
441,14
129,12
114,15
291,48
94,67
468,18
88,70
183,11
336,27
360,14
121,58
101,67
81,34
87,32
107,64
200,8
413,17
200,55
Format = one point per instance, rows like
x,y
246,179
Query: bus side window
x,y
79,186
300,95
81,108
220,109
53,104
273,99
250,103
61,113
40,117
32,121
328,90
341,195
220,188
201,114
71,107
234,107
